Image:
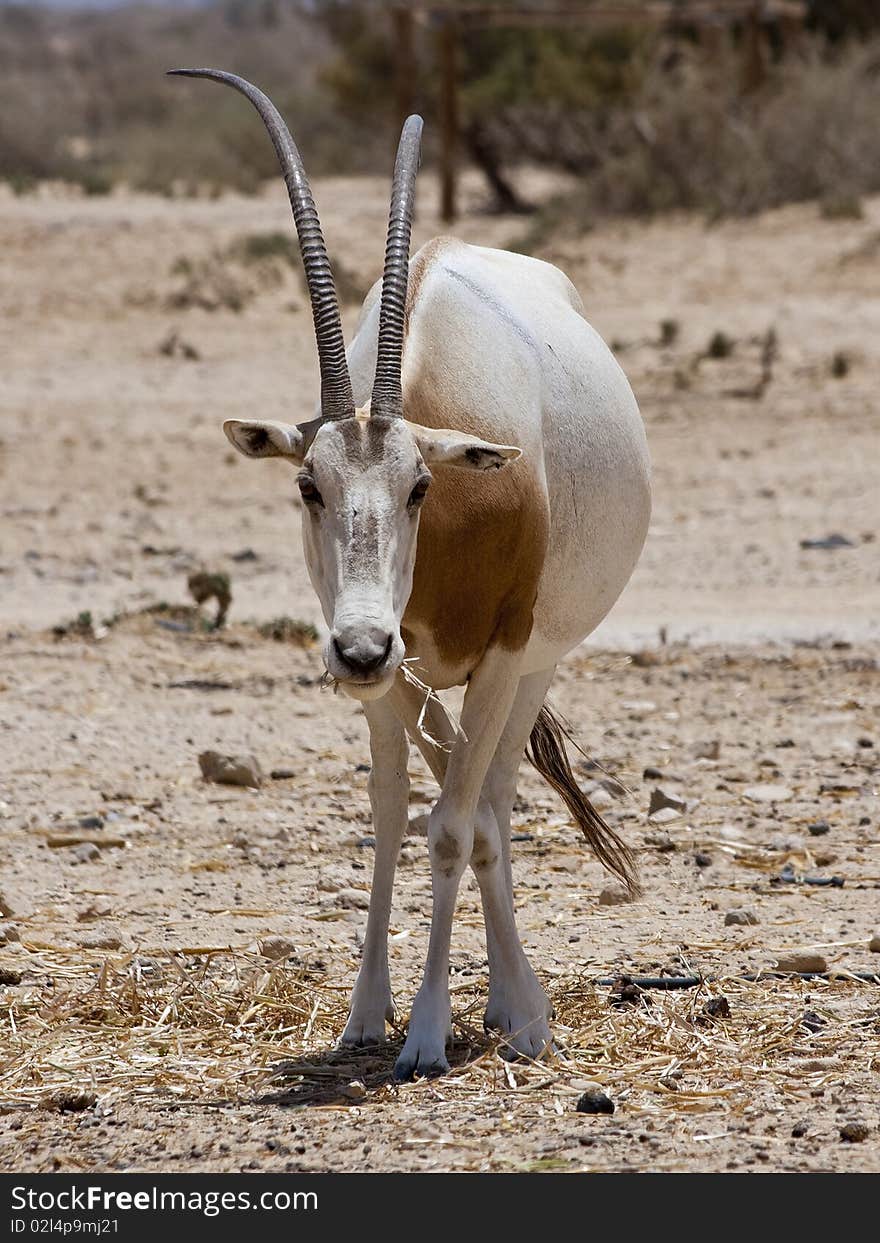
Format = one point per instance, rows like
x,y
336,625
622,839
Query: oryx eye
x,y
309,492
418,493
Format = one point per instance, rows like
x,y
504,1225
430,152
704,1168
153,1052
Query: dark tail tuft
x,y
546,750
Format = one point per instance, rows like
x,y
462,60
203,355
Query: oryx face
x,y
362,476
362,481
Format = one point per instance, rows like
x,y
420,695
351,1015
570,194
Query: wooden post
x,y
404,64
754,69
448,116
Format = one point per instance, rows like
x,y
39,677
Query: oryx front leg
x,y
371,1003
487,703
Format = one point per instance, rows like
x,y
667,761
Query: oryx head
x,y
362,474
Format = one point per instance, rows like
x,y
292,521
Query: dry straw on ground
x,y
211,1025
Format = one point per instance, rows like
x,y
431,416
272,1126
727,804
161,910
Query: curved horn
x,y
387,398
337,401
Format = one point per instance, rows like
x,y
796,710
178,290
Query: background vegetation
x,y
648,120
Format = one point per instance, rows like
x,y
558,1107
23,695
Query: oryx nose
x,y
363,650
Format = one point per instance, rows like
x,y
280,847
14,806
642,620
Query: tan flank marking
x,y
481,547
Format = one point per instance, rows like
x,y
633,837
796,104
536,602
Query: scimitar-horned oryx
x,y
475,493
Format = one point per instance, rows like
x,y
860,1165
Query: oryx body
x,y
497,345
475,496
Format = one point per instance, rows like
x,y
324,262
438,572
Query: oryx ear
x,y
451,448
260,438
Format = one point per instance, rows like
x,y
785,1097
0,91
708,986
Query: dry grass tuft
x,y
211,1024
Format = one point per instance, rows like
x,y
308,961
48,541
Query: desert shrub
x,y
690,140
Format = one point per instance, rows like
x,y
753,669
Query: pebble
x,y
802,961
282,774
601,799
854,1132
8,932
101,941
9,976
233,770
69,1100
819,828
768,793
702,861
661,842
85,852
355,1091
594,1101
662,801
741,916
665,815
90,822
717,1008
276,947
353,899
874,943
614,895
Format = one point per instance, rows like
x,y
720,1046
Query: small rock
x,y
799,1130
717,1008
9,976
874,943
665,815
276,947
813,1021
625,992
614,895
819,828
854,1132
828,542
95,910
101,941
702,860
69,1100
601,799
353,899
840,787
660,801
661,842
282,774
741,916
594,1101
802,962
652,774
8,932
355,1091
232,770
91,822
85,852
767,793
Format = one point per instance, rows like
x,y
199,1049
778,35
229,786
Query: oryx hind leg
x,y
518,1006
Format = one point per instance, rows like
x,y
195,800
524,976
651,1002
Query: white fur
x,y
504,336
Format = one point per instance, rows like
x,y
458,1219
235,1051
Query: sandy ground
x,y
739,664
